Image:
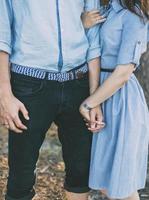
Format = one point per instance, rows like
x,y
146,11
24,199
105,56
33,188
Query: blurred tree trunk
x,y
143,74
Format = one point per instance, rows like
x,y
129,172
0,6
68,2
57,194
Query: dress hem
x,y
113,196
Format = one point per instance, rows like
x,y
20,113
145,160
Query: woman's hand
x,y
93,117
92,18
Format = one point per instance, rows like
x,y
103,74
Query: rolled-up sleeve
x,y
5,25
134,40
94,50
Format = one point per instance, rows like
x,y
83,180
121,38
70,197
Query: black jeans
x,y
49,101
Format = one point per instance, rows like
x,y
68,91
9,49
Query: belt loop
x,y
46,76
74,74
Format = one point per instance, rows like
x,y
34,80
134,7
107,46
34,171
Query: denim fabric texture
x,y
48,101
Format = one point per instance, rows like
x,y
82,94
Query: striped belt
x,y
107,70
77,73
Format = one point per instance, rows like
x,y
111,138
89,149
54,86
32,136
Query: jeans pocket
x,y
24,86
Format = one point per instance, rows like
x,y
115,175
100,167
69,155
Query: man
x,y
48,49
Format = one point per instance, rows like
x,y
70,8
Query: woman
x,y
120,150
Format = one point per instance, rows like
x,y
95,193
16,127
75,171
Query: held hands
x,y
10,107
93,117
92,18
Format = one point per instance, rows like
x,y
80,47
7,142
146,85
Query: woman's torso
x,y
119,44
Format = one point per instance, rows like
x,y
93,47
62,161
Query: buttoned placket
x,y
60,31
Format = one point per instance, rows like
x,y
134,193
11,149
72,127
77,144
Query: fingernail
x,y
27,117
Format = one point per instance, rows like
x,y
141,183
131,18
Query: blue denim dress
x,y
120,150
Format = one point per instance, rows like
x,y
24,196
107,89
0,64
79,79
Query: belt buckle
x,y
79,75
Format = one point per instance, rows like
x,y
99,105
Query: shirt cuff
x,y
93,53
5,47
132,57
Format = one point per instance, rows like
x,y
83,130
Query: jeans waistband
x,y
73,74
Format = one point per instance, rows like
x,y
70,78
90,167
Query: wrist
x,y
91,103
87,104
5,92
86,107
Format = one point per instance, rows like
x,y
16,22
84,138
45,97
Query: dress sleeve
x,y
93,33
134,40
5,25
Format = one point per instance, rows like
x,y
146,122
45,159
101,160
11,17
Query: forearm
x,y
116,81
105,91
5,87
94,74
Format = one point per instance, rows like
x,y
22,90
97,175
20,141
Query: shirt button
x,y
139,42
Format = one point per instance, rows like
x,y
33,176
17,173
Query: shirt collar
x,y
116,6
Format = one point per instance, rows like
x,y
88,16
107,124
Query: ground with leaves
x,y
50,170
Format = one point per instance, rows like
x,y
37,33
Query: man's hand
x,y
93,118
96,120
10,107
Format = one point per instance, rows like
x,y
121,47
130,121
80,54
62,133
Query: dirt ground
x,y
50,170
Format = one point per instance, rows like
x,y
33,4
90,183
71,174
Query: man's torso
x,y
48,34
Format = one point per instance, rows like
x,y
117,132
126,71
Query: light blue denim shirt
x,y
47,34
123,37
